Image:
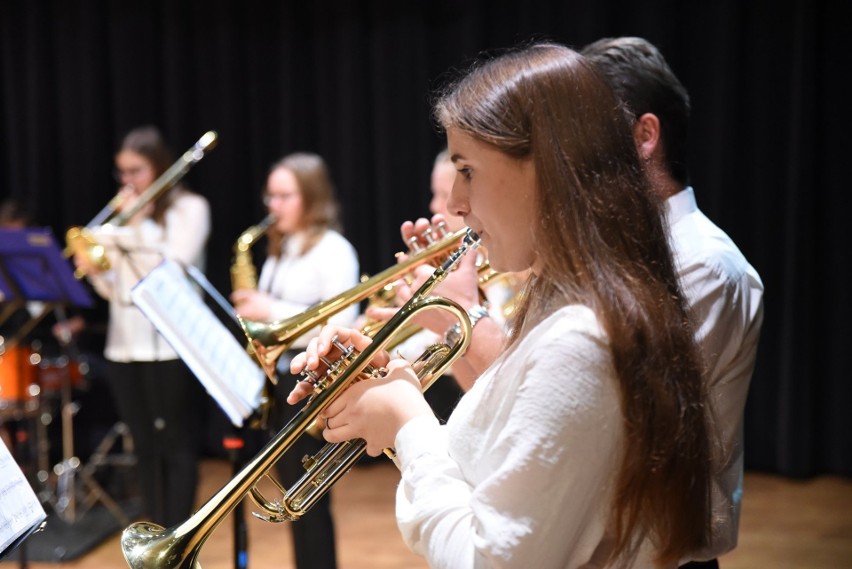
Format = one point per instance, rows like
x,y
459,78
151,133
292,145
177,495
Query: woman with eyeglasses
x,y
155,394
308,260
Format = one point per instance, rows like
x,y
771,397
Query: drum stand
x,y
69,501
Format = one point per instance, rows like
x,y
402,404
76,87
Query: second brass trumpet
x,y
269,340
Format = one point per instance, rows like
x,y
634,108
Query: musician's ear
x,y
646,135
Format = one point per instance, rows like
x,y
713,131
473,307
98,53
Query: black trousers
x,y
712,564
313,535
161,403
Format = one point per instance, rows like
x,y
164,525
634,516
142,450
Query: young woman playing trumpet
x,y
585,443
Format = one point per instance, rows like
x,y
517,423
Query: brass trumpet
x,y
81,240
268,340
486,276
147,545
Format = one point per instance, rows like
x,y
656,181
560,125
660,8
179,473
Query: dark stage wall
x,y
352,80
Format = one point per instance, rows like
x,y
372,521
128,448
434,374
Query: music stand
x,y
9,299
33,268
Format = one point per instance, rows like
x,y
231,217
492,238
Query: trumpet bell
x,y
141,545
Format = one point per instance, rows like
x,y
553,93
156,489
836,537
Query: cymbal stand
x,y
70,471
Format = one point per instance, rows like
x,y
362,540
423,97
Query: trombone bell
x,y
80,240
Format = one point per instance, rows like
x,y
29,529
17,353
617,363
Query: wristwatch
x,y
475,314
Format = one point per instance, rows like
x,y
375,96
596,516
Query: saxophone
x,y
243,272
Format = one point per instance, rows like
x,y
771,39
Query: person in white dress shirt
x,y
586,443
722,288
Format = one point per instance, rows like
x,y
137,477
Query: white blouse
x,y
299,281
133,251
523,473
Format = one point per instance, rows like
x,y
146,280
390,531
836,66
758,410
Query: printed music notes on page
x,y
20,510
221,364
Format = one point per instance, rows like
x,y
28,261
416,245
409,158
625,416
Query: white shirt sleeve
x,y
187,229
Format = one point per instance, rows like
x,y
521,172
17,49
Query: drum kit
x,y
35,391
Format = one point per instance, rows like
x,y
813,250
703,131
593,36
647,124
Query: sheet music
x,y
222,365
20,509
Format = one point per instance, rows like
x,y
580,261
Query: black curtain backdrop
x,y
352,81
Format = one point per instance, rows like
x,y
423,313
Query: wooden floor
x,y
789,524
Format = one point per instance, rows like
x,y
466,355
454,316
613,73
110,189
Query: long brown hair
x,y
319,204
603,244
148,142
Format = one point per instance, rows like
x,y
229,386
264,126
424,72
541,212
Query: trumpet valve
x,y
334,368
430,236
414,244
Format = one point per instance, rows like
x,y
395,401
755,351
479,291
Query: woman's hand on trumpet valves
x,y
374,410
461,285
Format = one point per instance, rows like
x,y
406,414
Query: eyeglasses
x,y
119,174
269,198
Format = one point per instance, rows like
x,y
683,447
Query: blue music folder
x,y
32,267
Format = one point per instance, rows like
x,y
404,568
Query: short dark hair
x,y
640,76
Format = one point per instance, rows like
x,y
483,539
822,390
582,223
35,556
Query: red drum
x,y
18,380
53,373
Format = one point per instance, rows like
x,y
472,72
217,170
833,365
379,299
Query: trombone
x,y
147,545
81,240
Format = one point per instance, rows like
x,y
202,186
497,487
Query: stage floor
x,y
785,523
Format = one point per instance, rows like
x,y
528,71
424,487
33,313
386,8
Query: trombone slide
x,y
82,239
